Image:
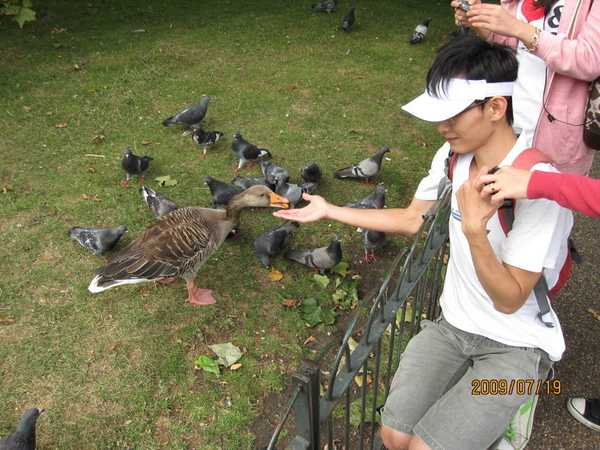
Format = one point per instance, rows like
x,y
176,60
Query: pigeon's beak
x,y
277,201
41,410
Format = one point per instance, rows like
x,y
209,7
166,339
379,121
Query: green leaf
x,y
24,15
314,314
341,268
208,364
228,353
356,407
321,280
166,180
407,317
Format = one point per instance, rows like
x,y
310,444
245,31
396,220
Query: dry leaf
x,y
92,170
115,349
95,155
61,125
292,87
5,189
594,313
235,366
98,138
309,340
146,142
26,108
289,302
91,197
275,275
3,320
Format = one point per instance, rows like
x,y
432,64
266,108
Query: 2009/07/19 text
x,y
521,387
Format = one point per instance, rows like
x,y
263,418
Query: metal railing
x,y
358,381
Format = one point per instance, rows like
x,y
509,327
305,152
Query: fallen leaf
x,y
26,108
289,302
236,366
275,275
309,340
91,197
3,320
208,364
98,138
115,349
146,142
228,353
92,170
291,88
95,155
594,313
5,189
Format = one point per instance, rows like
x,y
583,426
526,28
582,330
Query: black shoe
x,y
586,411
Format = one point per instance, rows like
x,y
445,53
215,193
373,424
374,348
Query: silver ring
x,y
460,23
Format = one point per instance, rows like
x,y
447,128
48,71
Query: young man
x,y
490,330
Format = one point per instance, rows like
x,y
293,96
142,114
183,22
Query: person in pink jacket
x,y
571,191
558,52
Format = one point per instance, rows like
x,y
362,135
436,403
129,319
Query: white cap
x,y
457,96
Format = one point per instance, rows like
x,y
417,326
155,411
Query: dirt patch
x,y
272,407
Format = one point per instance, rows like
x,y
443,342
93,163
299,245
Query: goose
x,y
178,244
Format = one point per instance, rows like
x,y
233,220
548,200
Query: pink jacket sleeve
x,y
576,192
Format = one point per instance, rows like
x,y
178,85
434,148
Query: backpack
x,y
506,214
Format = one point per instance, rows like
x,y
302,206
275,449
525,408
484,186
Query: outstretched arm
x,y
405,221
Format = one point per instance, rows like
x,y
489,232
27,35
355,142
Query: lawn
x,y
87,79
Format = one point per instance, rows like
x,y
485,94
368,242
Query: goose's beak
x,y
277,201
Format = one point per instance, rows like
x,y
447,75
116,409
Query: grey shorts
x,y
453,388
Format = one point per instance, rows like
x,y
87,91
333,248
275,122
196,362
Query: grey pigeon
x,y
292,191
221,192
134,165
311,171
373,201
190,116
97,240
159,204
420,31
372,241
246,182
364,169
326,6
273,172
271,242
205,139
23,438
321,258
245,151
348,20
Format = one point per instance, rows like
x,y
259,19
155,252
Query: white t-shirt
x,y
529,89
537,241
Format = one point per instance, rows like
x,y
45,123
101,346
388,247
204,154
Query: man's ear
x,y
497,107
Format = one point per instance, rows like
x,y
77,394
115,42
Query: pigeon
x,y
326,6
373,201
246,182
97,240
372,241
420,31
221,192
364,169
348,20
292,191
23,438
159,204
134,165
205,139
272,172
459,32
190,116
272,241
311,172
178,244
320,259
245,151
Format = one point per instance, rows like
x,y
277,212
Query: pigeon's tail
x,y
168,122
264,153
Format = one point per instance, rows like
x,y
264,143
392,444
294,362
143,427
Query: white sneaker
x,y
518,432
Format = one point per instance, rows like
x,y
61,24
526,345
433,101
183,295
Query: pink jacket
x,y
573,60
574,192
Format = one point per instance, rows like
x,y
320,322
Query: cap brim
x,y
432,109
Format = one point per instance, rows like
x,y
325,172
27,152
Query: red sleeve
x,y
576,192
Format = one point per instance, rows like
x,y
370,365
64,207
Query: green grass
x,y
116,369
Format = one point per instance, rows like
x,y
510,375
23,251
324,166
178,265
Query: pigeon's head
x,y
237,134
207,180
28,420
127,152
206,99
121,229
381,189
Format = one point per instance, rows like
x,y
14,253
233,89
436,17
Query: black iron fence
x,y
335,404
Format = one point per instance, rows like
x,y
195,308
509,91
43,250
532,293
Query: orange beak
x,y
277,201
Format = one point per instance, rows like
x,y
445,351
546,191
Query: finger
x,y
479,184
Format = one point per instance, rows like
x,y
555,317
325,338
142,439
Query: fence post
x,y
306,407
